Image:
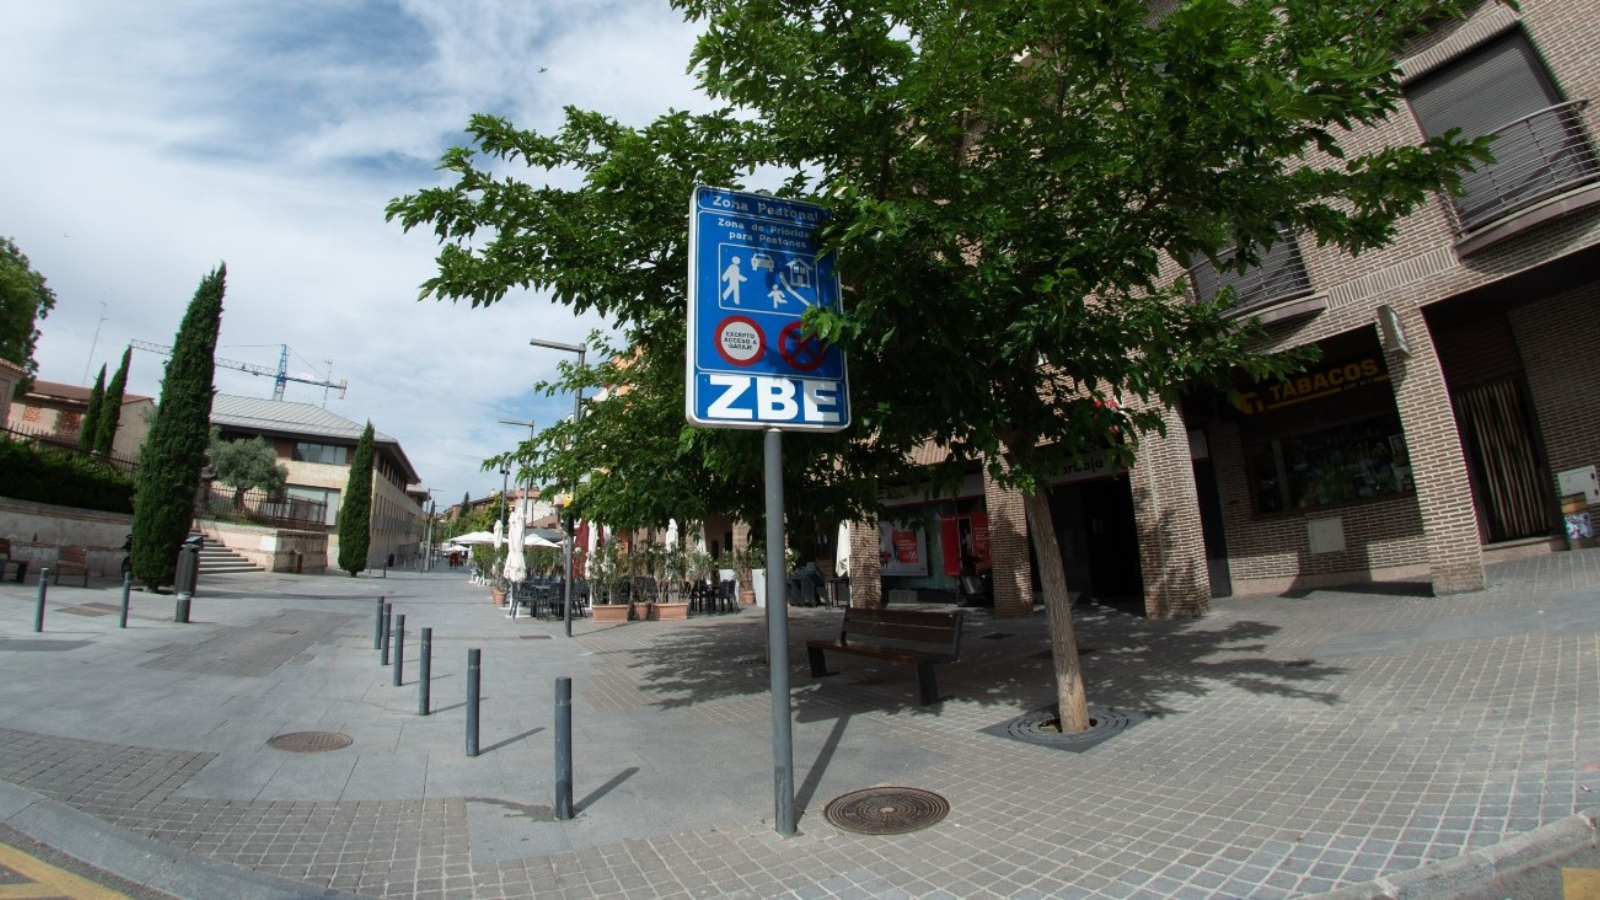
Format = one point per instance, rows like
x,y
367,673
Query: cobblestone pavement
x,y
1279,747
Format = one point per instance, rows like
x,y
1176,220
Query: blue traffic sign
x,y
753,272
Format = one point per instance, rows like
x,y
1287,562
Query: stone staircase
x,y
216,559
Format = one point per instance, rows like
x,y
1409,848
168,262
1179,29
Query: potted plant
x,y
606,571
672,570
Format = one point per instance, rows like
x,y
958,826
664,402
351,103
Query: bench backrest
x,y
76,556
934,631
5,548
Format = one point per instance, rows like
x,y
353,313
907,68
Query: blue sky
x,y
146,142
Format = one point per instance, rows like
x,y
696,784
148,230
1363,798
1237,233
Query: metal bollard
x,y
186,578
127,588
388,628
474,679
426,675
563,748
44,588
400,650
377,626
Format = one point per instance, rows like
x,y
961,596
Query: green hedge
x,y
64,479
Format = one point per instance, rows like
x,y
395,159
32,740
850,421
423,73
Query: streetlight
x,y
577,410
525,508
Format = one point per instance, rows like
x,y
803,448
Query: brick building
x,y
1450,412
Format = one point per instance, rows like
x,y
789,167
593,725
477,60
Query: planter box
x,y
498,596
666,612
609,612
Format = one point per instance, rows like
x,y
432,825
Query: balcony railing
x,y
1281,275
1536,157
218,501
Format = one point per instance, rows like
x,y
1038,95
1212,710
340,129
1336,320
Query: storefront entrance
x,y
1099,540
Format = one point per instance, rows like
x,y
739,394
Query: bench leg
x,y
819,666
927,684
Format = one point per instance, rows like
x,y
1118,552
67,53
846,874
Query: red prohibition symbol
x,y
803,353
739,341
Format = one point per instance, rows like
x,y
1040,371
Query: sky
x,y
148,142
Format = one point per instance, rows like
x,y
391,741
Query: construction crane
x,y
280,375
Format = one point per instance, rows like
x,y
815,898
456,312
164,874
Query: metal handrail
x,y
1281,275
1537,156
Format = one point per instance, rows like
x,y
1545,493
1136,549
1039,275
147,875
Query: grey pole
x,y
563,748
425,675
474,679
127,588
577,411
566,572
388,629
400,650
38,610
783,816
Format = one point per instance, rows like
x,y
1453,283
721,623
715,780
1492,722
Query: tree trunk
x,y
1070,696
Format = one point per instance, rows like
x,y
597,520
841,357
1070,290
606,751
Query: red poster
x,y
965,537
905,547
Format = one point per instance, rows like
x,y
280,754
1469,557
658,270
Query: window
x,y
328,454
1280,276
330,496
1345,463
1503,89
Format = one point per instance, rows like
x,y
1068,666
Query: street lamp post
x,y
524,509
577,410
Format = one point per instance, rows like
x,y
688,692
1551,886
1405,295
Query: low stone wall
x,y
38,531
273,549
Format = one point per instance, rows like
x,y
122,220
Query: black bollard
x,y
400,650
127,588
388,626
44,588
563,748
377,626
474,675
426,676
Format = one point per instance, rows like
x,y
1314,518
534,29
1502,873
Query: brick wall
x,y
1172,553
1558,338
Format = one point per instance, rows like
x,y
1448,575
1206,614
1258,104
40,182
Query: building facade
x,y
54,412
1448,420
317,446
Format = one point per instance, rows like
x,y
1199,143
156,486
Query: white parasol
x,y
534,540
841,565
498,538
516,567
474,537
672,533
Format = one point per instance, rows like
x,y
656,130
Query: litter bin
x,y
1579,524
188,574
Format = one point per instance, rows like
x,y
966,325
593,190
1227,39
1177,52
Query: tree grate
x,y
887,810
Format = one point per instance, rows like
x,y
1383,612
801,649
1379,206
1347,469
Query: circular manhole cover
x,y
310,741
887,810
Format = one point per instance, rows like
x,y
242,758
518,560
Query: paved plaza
x,y
1357,742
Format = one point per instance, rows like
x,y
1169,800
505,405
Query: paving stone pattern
x,y
1293,745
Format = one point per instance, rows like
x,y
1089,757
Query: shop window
x,y
1503,89
1345,463
1280,275
327,454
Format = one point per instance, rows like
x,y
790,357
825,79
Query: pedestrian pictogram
x,y
739,341
754,270
803,351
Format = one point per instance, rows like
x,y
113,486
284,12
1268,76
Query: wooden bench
x,y
74,560
904,636
6,559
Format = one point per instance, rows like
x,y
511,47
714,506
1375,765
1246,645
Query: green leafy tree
x,y
1014,188
24,300
89,429
247,464
355,516
170,462
111,409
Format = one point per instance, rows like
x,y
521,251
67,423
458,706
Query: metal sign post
x,y
754,270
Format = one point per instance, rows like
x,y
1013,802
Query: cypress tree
x,y
90,429
174,452
466,504
111,409
355,515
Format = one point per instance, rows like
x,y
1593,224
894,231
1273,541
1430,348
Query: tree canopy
x,y
24,300
1016,187
174,452
246,464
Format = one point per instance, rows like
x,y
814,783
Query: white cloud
x,y
148,142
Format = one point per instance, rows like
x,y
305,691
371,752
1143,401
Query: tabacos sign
x,y
1323,381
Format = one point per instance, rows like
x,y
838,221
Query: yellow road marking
x,y
1580,884
50,881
